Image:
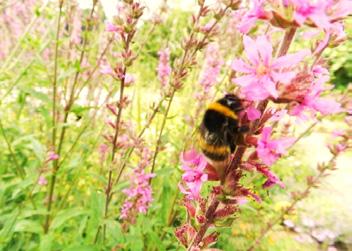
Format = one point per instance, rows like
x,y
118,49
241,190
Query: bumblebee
x,y
220,131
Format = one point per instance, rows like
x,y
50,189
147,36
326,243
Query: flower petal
x,y
326,106
290,60
270,86
252,113
283,77
250,48
240,66
265,49
244,80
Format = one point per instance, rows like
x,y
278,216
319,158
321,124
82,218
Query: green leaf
x,y
81,248
46,242
28,226
36,94
6,231
66,215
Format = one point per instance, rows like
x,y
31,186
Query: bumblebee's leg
x,y
241,140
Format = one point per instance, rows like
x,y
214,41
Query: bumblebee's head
x,y
232,101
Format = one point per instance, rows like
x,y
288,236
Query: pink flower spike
x,y
211,68
252,113
164,68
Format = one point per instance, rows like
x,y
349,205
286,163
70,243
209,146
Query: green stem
x,y
20,170
156,150
54,129
109,186
130,151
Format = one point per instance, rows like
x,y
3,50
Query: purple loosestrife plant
x,y
272,83
123,30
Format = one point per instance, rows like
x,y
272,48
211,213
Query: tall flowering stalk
x,y
58,141
124,31
266,75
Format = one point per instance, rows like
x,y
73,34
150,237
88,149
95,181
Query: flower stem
x,y
19,168
54,129
108,190
130,151
209,215
68,107
286,42
156,150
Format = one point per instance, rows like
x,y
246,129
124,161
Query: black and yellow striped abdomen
x,y
216,152
215,131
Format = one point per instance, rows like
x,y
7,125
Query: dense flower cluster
x,y
211,68
193,165
139,194
164,68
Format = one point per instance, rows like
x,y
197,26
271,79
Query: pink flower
x,y
310,99
263,72
272,179
129,79
211,68
110,27
252,113
105,68
76,27
312,10
126,208
338,9
193,165
208,26
52,156
42,181
270,150
249,19
103,150
164,68
323,13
